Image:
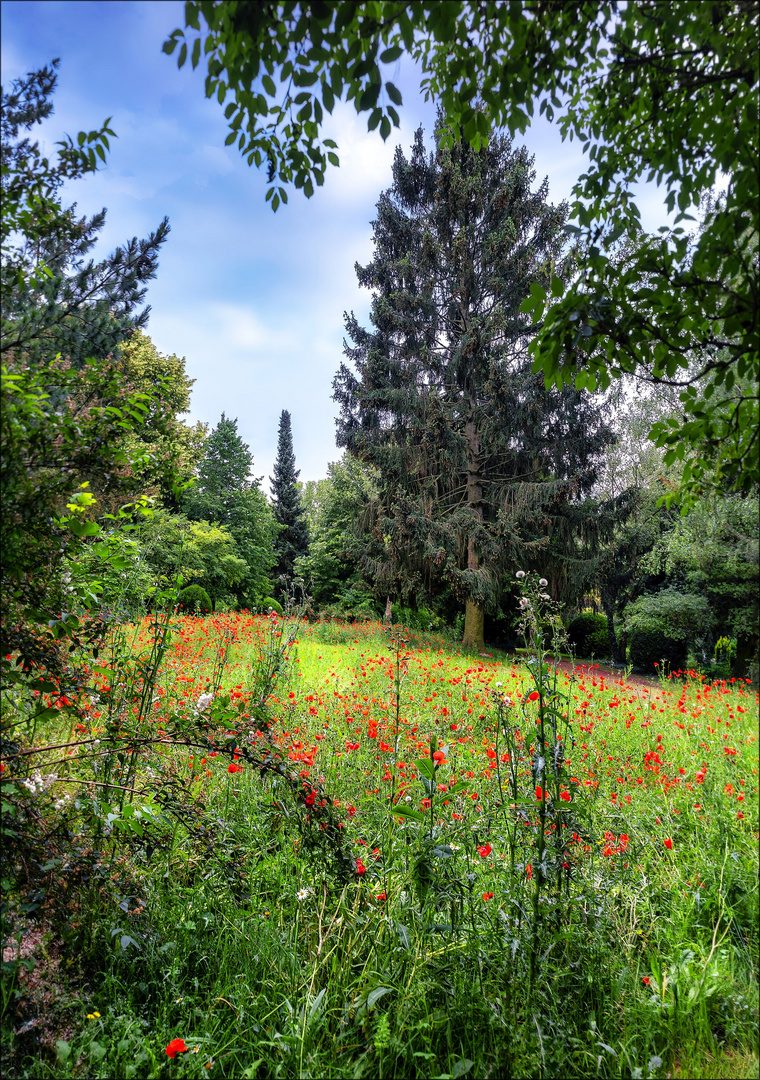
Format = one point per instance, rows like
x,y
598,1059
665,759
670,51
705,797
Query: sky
x,y
253,300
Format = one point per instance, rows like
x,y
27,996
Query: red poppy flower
x,y
488,896
484,850
360,867
646,980
176,1046
668,844
233,768
529,871
565,796
534,696
439,756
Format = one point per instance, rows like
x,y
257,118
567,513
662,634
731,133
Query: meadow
x,y
261,848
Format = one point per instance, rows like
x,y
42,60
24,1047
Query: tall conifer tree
x,y
289,513
483,467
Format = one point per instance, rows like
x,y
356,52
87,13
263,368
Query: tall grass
x,y
515,871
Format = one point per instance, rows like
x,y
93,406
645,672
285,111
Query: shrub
x,y
419,619
589,634
650,647
664,625
194,598
270,604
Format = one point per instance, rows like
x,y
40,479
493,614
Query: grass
x,y
244,942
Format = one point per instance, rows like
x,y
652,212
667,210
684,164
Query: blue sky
x,y
253,300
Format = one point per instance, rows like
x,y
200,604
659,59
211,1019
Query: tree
x,y
225,494
334,569
172,449
293,538
53,300
480,463
66,420
653,91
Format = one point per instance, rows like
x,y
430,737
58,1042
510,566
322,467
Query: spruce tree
x,y
482,467
289,513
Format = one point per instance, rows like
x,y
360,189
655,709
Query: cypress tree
x,y
289,513
482,467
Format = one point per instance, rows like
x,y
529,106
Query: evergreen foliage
x,y
482,466
226,495
54,299
589,635
293,538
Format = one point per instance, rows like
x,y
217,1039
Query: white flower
x,y
520,574
523,603
203,702
543,583
303,894
498,684
545,596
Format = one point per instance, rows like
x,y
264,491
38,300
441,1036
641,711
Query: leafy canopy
x,y
659,92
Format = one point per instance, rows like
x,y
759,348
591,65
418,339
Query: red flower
x,y
439,756
565,796
534,696
360,867
484,850
538,794
668,844
529,871
233,768
176,1046
488,896
645,980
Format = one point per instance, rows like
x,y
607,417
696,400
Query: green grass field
x,y
393,894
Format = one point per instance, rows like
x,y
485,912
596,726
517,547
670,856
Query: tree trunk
x,y
618,654
474,614
388,612
474,617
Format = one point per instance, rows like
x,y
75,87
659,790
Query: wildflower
x,y
668,844
529,871
534,695
484,850
93,1016
203,702
520,574
439,755
382,896
176,1046
543,583
488,896
233,768
565,796
360,867
646,980
303,894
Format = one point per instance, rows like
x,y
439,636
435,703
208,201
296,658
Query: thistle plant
x,y
544,709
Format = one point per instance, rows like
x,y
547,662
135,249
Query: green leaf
x,y
393,93
558,286
426,767
406,811
391,54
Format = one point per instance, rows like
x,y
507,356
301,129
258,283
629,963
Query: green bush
x,y
194,598
664,625
270,604
589,634
650,647
421,619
